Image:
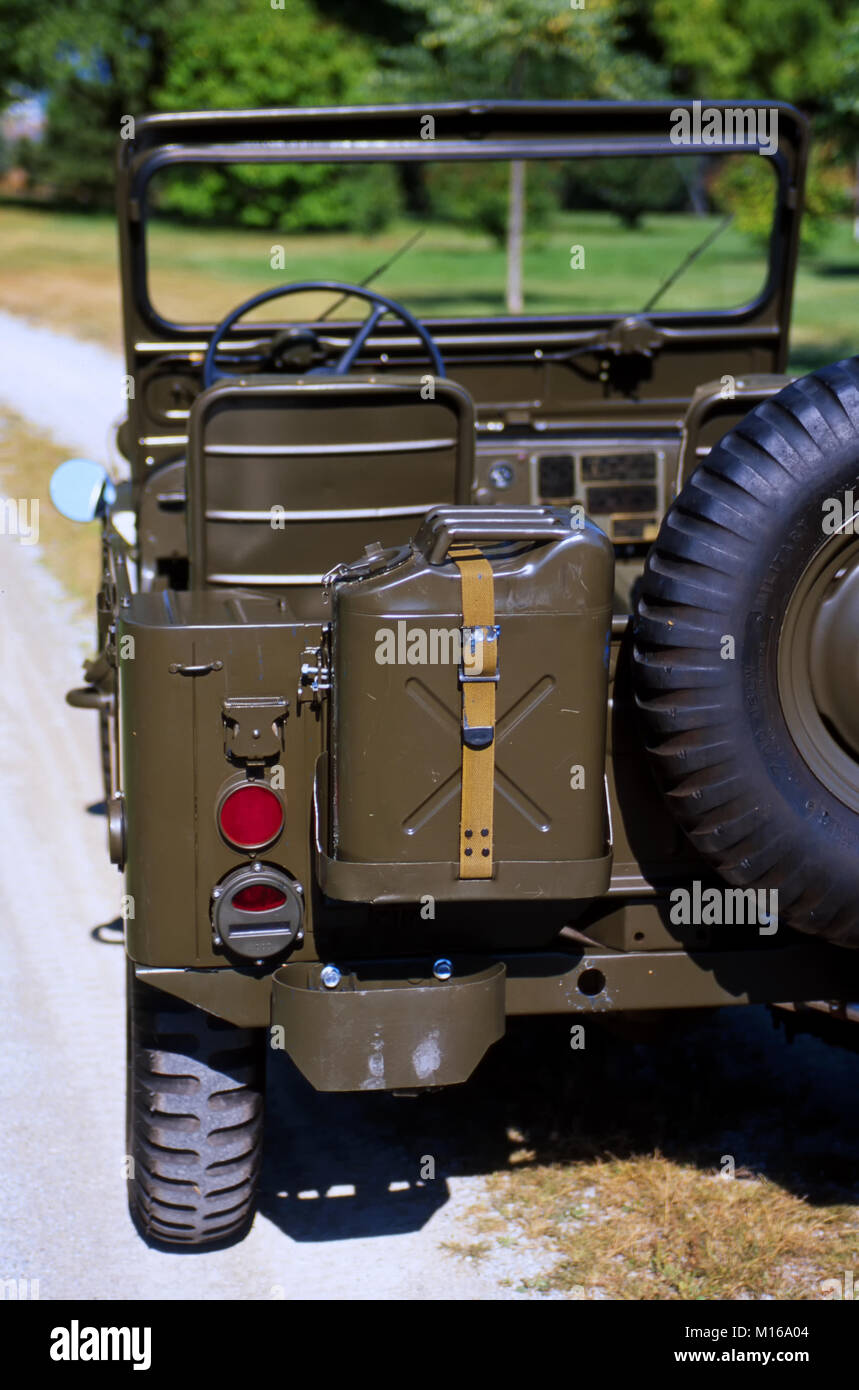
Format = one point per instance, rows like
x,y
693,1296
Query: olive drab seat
x,y
288,478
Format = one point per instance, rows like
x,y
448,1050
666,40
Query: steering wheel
x,y
380,306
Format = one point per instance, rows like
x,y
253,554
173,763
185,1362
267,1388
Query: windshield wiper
x,y
686,262
631,334
380,270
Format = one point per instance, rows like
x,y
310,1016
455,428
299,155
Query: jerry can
x,y
407,770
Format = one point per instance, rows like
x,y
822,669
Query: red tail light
x,y
260,897
250,817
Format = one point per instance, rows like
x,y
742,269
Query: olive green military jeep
x,y
463,656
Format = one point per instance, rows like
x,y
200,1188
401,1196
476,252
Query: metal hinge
x,y
315,678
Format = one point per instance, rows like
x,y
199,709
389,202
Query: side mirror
x,y
81,490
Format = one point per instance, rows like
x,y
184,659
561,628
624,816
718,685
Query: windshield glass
x,y
564,237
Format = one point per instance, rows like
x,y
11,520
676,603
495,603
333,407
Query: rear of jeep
x,y
376,762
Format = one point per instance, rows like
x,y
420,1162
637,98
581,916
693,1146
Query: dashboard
x,y
624,486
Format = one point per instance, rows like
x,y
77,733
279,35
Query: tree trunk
x,y
515,231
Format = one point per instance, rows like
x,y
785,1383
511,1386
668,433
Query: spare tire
x,y
746,653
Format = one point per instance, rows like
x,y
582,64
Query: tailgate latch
x,y
315,679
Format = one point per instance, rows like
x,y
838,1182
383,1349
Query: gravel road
x,y
67,389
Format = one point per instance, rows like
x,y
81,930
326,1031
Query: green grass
x,y
61,268
825,319
454,270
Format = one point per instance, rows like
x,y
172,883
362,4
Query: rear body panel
x,y
175,768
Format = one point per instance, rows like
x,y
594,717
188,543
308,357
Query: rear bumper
x,y
391,1025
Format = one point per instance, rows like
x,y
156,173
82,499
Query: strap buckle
x,y
478,736
474,639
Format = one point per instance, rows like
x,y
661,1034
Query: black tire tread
x,y
195,1116
690,704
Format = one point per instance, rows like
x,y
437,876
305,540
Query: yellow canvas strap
x,y
478,677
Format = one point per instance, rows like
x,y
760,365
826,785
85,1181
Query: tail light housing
x,y
251,816
257,912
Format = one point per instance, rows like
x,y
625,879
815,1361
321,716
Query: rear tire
x,y
195,1121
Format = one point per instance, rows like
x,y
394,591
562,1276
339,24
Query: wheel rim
x,y
818,666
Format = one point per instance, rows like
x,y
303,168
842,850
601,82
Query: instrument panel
x,y
624,488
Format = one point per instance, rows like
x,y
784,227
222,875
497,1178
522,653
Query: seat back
x,y
712,412
287,477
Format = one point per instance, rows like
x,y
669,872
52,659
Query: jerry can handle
x,y
445,526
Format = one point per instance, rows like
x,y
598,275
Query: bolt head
x,y
330,976
443,969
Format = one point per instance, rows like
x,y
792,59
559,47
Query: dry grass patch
x,y
61,270
649,1228
467,1250
602,1167
71,551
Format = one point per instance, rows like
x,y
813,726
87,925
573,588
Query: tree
x,y
785,50
630,187
239,53
101,60
781,50
17,19
98,61
841,120
515,49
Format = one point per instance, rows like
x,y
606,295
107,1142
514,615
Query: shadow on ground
x,y
109,933
693,1088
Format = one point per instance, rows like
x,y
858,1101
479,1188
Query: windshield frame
x,y
767,257
495,131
